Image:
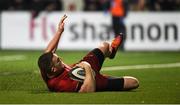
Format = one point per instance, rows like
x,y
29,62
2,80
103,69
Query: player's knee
x,y
130,83
135,83
104,47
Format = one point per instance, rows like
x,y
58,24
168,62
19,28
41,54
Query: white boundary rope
x,y
145,66
12,57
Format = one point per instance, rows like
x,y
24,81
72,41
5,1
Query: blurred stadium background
x,y
151,51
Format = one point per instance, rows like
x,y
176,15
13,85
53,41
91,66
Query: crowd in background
x,y
85,5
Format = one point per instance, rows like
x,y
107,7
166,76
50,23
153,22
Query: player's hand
x,y
83,65
61,23
86,66
89,84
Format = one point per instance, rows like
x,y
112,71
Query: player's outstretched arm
x,y
52,46
89,84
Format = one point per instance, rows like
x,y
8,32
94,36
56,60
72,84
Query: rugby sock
x,y
116,42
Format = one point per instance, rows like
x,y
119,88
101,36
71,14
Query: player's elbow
x,y
86,89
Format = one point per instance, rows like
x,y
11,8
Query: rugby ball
x,y
77,74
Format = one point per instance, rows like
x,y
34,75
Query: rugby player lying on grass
x,y
55,72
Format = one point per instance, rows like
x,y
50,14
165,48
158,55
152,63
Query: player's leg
x,y
105,48
130,83
110,49
108,83
97,56
121,83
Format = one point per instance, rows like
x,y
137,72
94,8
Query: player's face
x,y
57,65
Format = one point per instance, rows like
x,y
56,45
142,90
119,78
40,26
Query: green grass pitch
x,y
21,83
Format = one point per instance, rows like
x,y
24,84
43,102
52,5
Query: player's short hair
x,y
45,62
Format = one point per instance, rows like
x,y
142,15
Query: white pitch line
x,y
12,57
146,66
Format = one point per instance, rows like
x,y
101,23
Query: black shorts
x,y
103,83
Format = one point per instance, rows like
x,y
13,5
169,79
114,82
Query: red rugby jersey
x,y
61,83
